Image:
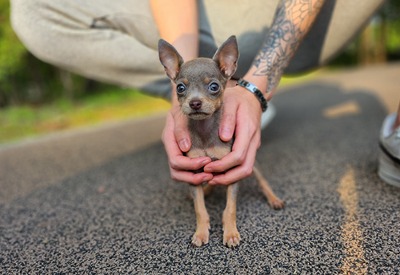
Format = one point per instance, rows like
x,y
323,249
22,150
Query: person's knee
x,y
29,27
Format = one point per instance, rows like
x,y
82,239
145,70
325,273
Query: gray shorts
x,y
116,41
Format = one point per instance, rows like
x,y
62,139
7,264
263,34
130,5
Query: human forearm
x,y
177,23
292,21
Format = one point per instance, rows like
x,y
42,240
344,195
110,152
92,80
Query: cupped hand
x,y
241,120
176,139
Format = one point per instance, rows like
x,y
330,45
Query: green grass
x,y
25,121
20,122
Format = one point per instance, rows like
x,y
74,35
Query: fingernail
x,y
205,161
225,134
184,145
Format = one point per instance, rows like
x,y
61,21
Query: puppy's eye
x,y
180,88
213,87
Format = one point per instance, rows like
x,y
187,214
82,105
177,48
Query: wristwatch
x,y
254,90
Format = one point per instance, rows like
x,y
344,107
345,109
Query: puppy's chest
x,y
206,141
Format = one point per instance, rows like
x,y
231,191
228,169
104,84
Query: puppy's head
x,y
200,82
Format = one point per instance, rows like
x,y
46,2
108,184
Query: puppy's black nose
x,y
195,104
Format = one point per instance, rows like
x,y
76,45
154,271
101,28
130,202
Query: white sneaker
x,y
389,155
267,116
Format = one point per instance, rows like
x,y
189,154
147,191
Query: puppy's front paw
x,y
231,237
276,203
200,237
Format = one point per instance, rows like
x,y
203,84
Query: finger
x,y
229,161
190,177
168,138
238,155
176,158
180,162
239,172
181,132
181,166
228,121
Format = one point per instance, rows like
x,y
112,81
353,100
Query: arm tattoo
x,y
293,19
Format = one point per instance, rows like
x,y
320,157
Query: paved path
x,y
100,200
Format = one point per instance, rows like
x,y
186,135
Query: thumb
x,y
228,121
182,135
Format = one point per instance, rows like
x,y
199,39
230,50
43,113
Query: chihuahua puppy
x,y
200,85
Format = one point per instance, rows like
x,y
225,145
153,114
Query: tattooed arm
x,y
242,111
292,21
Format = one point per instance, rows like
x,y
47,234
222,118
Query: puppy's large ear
x,y
227,56
170,58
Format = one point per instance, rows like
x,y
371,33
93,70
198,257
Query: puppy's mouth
x,y
198,115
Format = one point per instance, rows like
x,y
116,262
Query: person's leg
x,y
337,24
116,41
110,41
335,27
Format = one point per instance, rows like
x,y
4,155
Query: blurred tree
x,y
11,55
24,78
382,32
391,15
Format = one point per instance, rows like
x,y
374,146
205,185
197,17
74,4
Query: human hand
x,y
176,139
241,116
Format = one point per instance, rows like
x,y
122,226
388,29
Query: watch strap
x,y
254,90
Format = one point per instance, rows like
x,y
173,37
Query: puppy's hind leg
x,y
201,236
231,234
273,200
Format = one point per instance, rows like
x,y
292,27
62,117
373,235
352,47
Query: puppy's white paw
x,y
200,237
231,238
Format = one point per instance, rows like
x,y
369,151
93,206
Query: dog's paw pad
x,y
277,204
231,239
200,238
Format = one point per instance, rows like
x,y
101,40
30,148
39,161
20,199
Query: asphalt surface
x,y
100,200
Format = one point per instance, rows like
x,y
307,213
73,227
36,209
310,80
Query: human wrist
x,y
261,81
258,94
